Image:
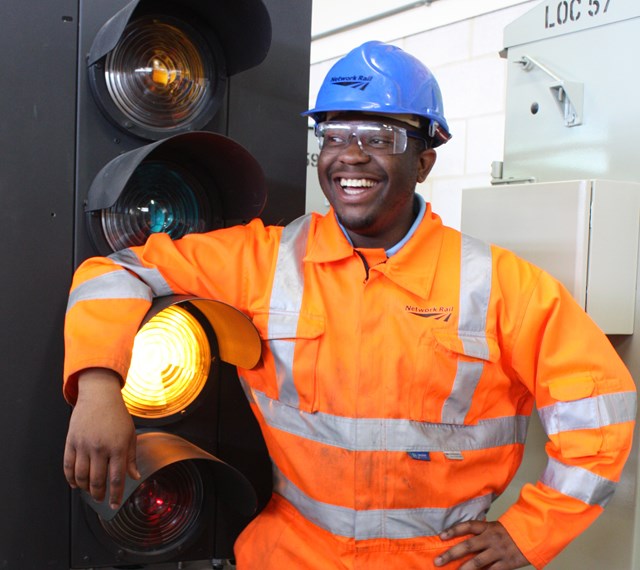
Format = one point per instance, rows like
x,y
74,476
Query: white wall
x,y
460,42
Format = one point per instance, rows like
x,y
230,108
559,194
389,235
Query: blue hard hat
x,y
381,78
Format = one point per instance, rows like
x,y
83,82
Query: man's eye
x,y
379,142
334,139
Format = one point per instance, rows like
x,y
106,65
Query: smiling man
x,y
371,184
401,359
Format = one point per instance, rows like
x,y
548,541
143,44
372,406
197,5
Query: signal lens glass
x,y
158,75
162,512
170,365
159,197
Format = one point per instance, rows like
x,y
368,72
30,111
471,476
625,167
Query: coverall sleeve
x,y
586,400
110,295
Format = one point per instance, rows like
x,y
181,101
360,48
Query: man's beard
x,y
356,224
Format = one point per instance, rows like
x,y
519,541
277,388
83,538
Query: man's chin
x,y
357,224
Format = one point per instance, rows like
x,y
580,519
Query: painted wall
x,y
464,56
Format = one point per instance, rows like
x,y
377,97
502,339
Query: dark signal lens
x,y
162,74
162,513
159,197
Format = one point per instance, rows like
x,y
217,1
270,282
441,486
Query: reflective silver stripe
x,y
115,285
379,523
475,292
286,300
457,404
371,434
152,277
589,413
578,483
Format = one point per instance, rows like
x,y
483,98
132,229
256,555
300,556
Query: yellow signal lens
x,y
170,365
162,73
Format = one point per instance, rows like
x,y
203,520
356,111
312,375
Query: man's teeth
x,y
356,183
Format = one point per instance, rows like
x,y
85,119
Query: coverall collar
x,y
411,267
420,205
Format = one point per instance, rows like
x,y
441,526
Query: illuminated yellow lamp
x,y
170,365
161,74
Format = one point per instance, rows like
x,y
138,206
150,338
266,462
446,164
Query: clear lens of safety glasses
x,y
373,138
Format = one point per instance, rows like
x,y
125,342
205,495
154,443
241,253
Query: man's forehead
x,y
395,119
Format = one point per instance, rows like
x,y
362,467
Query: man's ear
x,y
426,160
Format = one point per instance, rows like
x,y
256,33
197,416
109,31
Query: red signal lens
x,y
152,500
162,513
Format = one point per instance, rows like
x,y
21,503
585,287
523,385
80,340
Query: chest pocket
x,y
451,366
292,340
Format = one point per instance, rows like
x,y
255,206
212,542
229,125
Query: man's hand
x,y
494,549
101,441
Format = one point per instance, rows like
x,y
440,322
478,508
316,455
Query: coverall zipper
x,y
366,265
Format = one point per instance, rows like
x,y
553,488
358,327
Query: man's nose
x,y
353,151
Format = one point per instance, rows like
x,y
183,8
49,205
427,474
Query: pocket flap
x,y
572,388
469,344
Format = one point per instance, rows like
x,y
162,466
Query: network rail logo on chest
x,y
436,313
354,81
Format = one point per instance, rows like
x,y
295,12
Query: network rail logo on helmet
x,y
355,82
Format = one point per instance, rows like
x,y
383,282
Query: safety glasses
x,y
375,139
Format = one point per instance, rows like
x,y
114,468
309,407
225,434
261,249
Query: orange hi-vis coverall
x,y
393,392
